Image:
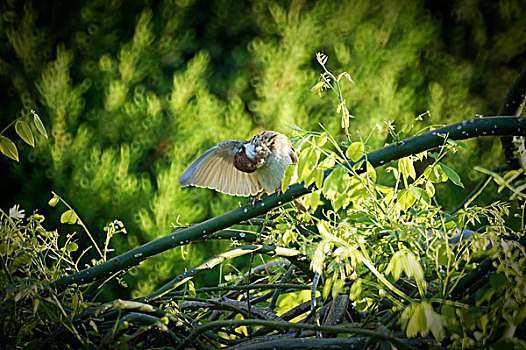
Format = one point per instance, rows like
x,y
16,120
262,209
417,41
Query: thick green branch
x,y
491,126
512,105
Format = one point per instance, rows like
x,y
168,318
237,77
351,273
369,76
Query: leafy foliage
x,y
131,94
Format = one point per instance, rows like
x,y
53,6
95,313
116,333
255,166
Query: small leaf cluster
x,y
22,128
32,257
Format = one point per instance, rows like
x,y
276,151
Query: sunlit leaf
x,y
53,201
406,199
435,174
24,131
322,140
420,194
68,217
430,189
289,173
8,148
307,162
72,246
434,322
355,151
371,172
314,200
319,177
336,182
417,322
406,167
395,266
356,289
39,125
326,288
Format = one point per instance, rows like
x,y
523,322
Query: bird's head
x,y
245,158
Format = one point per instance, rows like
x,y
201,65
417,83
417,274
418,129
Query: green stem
x,y
79,220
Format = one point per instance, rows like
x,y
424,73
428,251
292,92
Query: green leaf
x,y
356,289
395,266
355,151
420,194
314,200
412,268
289,173
322,140
8,148
371,172
435,174
72,246
451,174
24,131
434,322
75,302
307,162
327,288
498,281
68,217
417,323
406,167
319,178
39,124
336,182
406,199
53,201
430,189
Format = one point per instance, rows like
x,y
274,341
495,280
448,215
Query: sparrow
x,y
243,168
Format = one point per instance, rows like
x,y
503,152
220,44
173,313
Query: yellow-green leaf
x,y
336,182
24,131
356,289
289,173
327,288
75,302
417,323
8,148
53,201
319,178
355,151
322,140
94,325
68,217
72,246
406,199
371,172
406,167
39,125
307,162
430,189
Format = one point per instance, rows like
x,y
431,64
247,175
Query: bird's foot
x,y
256,199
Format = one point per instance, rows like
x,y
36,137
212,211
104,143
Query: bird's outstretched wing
x,y
215,169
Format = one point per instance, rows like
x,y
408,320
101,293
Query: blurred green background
x,y
132,91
